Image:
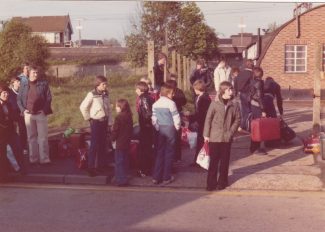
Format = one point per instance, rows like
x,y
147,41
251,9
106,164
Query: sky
x,y
111,19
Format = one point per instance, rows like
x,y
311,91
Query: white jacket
x,y
96,106
220,75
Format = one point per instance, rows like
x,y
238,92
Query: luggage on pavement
x,y
265,129
287,134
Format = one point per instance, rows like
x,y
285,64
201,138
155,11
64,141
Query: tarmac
x,y
285,168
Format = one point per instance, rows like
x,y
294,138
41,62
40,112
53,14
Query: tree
x,y
187,31
270,28
137,49
18,45
195,38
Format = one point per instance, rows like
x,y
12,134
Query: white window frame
x,y
295,58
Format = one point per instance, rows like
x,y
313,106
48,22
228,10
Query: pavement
x,y
285,168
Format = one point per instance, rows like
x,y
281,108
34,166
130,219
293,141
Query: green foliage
x,y
18,45
137,49
68,95
187,31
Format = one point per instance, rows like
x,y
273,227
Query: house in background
x,y
57,30
289,53
89,43
231,48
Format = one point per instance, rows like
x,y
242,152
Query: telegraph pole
x,y
241,25
79,28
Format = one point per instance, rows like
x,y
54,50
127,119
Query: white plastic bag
x,y
203,158
192,137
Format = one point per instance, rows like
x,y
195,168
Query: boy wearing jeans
x,y
166,120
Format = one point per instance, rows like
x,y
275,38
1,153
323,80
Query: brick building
x,y
289,53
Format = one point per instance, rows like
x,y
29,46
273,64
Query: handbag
x,y
203,158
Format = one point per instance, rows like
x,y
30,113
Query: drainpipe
x,y
297,12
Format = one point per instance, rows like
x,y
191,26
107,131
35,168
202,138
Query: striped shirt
x,y
165,113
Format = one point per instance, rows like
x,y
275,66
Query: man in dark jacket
x,y
158,71
242,86
202,103
201,72
272,90
146,129
257,104
18,117
34,101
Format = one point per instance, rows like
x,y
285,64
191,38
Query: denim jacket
x,y
43,91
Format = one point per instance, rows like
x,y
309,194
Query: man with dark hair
x,y
34,101
96,109
24,75
145,103
201,72
180,100
158,70
272,90
242,87
202,103
166,121
18,117
257,105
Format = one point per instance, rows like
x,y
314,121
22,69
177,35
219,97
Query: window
x,y
295,58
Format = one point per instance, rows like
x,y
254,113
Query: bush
x,y
17,46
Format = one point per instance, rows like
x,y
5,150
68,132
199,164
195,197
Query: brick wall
x,y
312,31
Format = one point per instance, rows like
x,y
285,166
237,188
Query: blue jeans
x,y
165,153
121,166
245,108
97,143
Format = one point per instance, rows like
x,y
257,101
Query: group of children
x,y
160,117
159,122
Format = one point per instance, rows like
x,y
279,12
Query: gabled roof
x,y
47,23
271,36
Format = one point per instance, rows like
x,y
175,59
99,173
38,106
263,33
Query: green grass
x,y
68,95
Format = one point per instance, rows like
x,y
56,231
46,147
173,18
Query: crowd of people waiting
x,y
239,95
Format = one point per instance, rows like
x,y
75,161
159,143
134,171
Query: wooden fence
x,y
181,66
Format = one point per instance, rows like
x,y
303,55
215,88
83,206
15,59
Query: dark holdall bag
x,y
287,134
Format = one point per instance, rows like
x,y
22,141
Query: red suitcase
x,y
264,129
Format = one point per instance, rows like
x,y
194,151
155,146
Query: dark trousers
x,y
178,145
4,163
98,140
165,153
199,141
145,148
256,113
121,166
269,106
219,155
22,133
245,108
